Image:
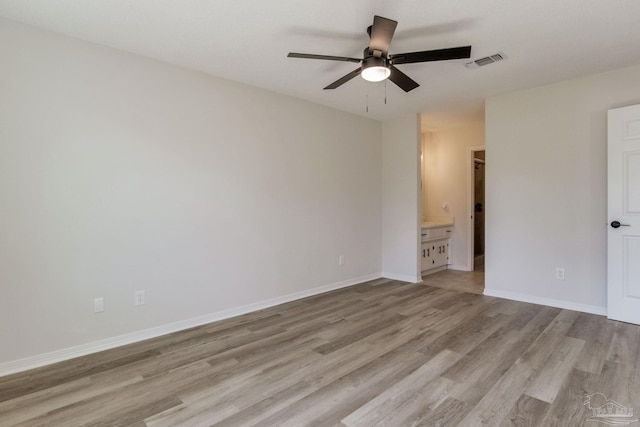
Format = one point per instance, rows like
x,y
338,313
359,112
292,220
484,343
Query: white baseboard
x,y
516,296
39,360
402,277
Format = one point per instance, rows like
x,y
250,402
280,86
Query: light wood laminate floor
x,y
463,281
378,353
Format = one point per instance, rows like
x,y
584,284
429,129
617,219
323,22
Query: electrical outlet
x,y
98,305
138,297
560,273
341,260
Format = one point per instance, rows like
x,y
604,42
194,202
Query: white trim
x,y
516,296
39,360
402,277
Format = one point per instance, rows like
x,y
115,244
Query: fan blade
x,y
405,82
343,80
327,57
431,55
381,34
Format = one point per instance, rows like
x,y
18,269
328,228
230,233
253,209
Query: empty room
x,y
245,213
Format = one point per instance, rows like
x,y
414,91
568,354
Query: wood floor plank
x,y
465,336
389,304
625,342
449,413
330,403
252,387
42,378
325,371
255,414
404,330
421,303
547,384
357,333
470,282
527,412
479,371
619,382
499,400
568,408
512,308
251,374
440,297
377,353
64,395
597,332
418,406
395,395
123,402
502,396
190,414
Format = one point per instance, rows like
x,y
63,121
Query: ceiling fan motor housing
x,y
374,61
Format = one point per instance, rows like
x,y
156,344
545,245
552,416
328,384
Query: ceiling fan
x,y
378,64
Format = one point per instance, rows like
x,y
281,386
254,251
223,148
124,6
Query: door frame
x,y
471,201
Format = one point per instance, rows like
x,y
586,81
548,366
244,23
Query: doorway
x,y
478,210
470,277
477,207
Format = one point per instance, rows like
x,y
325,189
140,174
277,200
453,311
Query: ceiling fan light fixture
x,y
378,65
375,69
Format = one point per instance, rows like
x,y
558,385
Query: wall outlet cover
x,y
139,297
98,305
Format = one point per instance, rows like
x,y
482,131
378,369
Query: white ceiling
x,y
248,41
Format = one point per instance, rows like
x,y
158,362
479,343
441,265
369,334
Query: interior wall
x,y
546,189
401,199
120,173
446,182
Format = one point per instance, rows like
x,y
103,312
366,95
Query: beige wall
x,y
120,173
546,189
446,180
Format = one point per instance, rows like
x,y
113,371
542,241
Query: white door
x,y
624,215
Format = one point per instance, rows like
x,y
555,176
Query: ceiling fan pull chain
x,y
385,92
367,103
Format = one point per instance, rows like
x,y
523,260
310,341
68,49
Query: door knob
x,y
616,224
